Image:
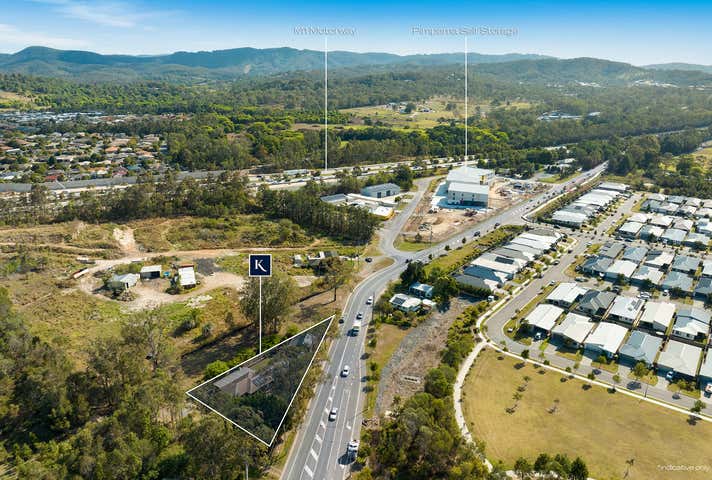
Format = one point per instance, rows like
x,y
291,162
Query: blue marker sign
x,y
260,265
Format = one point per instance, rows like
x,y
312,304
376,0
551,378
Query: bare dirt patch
x,y
404,374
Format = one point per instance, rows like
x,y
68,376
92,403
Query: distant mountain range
x,y
220,65
680,66
215,65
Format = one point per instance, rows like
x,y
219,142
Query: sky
x,y
637,32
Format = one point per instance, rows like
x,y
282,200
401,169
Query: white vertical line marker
x,y
326,106
465,99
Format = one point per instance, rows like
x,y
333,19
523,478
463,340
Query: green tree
x,y
578,470
336,273
278,297
523,468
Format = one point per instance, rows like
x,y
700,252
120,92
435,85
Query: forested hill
x,y
680,66
241,63
214,65
589,71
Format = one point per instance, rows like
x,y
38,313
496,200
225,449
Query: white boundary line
x,y
329,319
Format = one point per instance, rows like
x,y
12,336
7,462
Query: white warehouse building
x,y
468,186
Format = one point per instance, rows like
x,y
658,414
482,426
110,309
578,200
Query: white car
x,y
359,315
370,300
332,414
345,371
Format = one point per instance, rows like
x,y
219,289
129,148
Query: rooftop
x,y
544,316
680,357
642,347
607,337
575,327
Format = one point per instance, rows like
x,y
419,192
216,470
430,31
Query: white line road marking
x,y
309,472
322,424
313,454
318,438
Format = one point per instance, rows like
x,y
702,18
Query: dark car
x,y
497,224
477,234
369,259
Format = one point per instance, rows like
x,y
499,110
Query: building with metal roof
x,y
566,294
657,316
544,317
680,358
640,347
573,329
606,339
626,309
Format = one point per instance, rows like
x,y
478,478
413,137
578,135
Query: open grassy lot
x,y
605,429
443,110
239,231
388,337
72,237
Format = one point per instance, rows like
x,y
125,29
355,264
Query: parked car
x,y
669,376
368,259
538,336
342,320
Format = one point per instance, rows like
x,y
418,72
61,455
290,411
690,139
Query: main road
x,y
319,449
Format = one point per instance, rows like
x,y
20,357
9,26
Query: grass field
x,y
440,114
388,337
605,429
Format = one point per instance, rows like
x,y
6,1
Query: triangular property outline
x,y
294,396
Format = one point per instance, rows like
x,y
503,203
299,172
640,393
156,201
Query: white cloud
x,y
110,13
13,37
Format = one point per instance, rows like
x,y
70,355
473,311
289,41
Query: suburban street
x,y
319,450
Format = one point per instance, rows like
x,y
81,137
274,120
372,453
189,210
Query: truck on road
x,y
356,328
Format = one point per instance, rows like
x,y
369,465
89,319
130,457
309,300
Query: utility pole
x,y
260,315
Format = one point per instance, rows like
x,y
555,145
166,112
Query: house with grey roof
x,y
663,221
674,236
596,265
634,254
691,324
626,310
646,275
640,347
705,375
595,303
620,269
606,339
651,232
677,281
683,224
680,358
685,264
707,268
676,199
703,290
610,249
659,259
573,329
543,317
657,316
566,294
696,240
123,282
630,229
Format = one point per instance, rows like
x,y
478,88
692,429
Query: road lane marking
x,y
309,472
313,454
